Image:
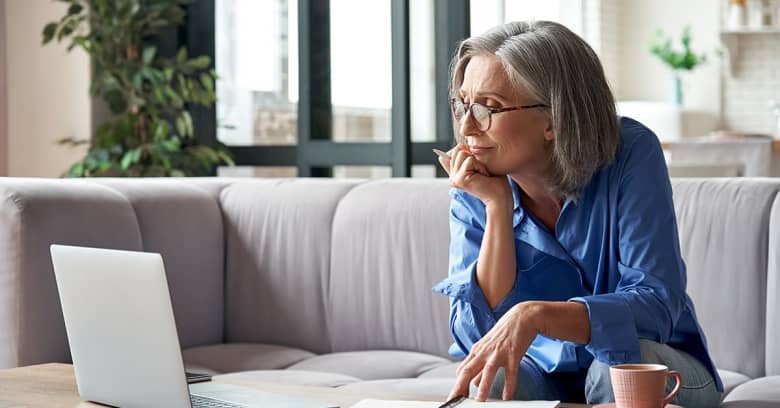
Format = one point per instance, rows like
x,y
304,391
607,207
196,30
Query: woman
x,y
564,254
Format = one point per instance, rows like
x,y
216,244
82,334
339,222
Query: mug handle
x,y
678,377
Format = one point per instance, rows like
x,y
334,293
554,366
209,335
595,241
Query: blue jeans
x,y
593,386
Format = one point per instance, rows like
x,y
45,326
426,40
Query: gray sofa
x,y
327,282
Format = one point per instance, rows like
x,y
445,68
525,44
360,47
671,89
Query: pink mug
x,y
642,385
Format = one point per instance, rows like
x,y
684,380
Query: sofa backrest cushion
x,y
183,222
390,246
723,226
278,247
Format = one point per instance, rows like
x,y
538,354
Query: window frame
x,y
316,153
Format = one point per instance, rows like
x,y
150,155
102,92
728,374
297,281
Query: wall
x,y
47,92
602,31
754,83
642,76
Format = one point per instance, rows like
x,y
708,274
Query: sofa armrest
x,y
35,213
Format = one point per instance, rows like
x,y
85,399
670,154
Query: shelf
x,y
668,144
752,31
730,41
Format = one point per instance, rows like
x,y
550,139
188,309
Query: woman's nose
x,y
469,125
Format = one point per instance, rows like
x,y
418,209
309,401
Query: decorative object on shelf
x,y
678,61
737,15
759,14
151,132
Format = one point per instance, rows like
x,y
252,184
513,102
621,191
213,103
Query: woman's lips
x,y
477,150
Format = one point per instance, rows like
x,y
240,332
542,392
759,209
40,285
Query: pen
x,y
453,402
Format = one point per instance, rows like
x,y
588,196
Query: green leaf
x,y
181,127
130,157
187,122
137,154
126,161
48,32
75,8
148,55
181,56
76,170
201,62
116,101
207,82
161,130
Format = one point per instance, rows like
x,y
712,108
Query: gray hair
x,y
557,68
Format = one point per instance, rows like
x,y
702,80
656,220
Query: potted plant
x,y
661,47
151,132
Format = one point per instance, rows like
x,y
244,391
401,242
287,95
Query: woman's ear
x,y
549,131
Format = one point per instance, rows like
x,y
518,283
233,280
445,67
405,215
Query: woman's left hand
x,y
503,346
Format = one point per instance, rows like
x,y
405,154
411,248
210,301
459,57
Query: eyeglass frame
x,y
490,110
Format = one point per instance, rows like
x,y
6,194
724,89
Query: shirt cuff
x,y
613,334
463,286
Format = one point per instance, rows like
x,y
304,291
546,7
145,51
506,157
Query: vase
x,y
677,95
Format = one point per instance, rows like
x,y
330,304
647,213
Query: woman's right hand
x,y
471,176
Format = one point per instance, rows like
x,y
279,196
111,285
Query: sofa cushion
x,y
373,365
293,377
760,392
415,388
443,371
229,358
723,227
278,241
183,223
731,380
390,246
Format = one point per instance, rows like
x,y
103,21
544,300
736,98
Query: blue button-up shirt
x,y
615,249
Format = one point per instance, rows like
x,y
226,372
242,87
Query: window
x,y
256,59
305,85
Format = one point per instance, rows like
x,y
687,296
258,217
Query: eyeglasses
x,y
481,113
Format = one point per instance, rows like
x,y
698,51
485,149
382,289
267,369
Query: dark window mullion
x,y
315,113
451,25
200,39
400,115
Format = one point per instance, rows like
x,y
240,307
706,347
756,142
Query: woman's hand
x,y
503,346
471,176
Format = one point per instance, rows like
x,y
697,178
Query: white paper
x,y
469,403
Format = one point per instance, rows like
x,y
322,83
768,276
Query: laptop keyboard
x,y
199,401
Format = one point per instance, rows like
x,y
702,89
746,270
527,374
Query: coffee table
x,y
54,386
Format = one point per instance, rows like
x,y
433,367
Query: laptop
x,y
123,338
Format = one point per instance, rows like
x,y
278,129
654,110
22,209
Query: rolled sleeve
x,y
649,294
613,334
470,315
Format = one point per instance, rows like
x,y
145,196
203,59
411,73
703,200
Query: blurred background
x,y
357,88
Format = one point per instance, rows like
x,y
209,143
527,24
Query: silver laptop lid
x,y
120,327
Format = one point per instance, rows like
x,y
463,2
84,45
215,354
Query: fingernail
x,y
441,153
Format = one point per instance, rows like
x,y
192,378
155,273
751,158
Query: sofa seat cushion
x,y
443,371
374,364
405,388
731,379
763,392
234,357
292,377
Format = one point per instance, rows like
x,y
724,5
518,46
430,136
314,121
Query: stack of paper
x,y
467,403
